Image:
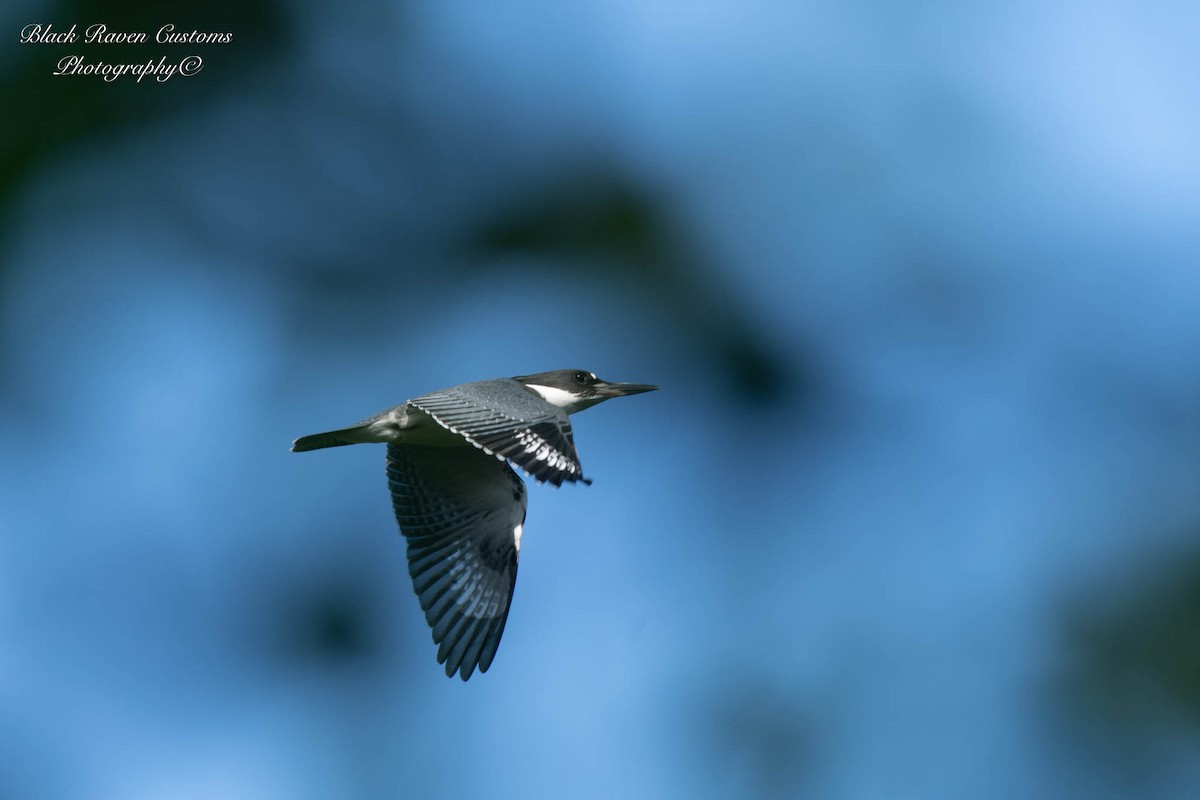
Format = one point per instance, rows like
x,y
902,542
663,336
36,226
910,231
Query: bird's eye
x,y
584,377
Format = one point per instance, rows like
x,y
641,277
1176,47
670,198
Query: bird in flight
x,y
458,502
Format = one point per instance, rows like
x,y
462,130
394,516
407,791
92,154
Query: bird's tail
x,y
338,438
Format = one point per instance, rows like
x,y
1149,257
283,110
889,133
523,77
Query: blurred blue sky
x,y
915,515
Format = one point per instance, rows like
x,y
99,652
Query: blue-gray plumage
x,y
459,504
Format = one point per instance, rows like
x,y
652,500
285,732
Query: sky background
x,y
916,513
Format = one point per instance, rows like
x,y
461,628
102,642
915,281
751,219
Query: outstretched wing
x,y
461,512
533,434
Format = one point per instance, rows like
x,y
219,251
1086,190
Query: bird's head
x,y
574,390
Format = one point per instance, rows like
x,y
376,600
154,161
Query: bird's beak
x,y
622,389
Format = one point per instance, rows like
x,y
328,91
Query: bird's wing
x,y
461,512
536,436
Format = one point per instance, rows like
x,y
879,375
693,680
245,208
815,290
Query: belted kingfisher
x,y
460,506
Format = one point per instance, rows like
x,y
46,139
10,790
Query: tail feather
x,y
320,441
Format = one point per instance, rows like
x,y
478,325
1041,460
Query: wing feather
x,y
460,510
531,433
